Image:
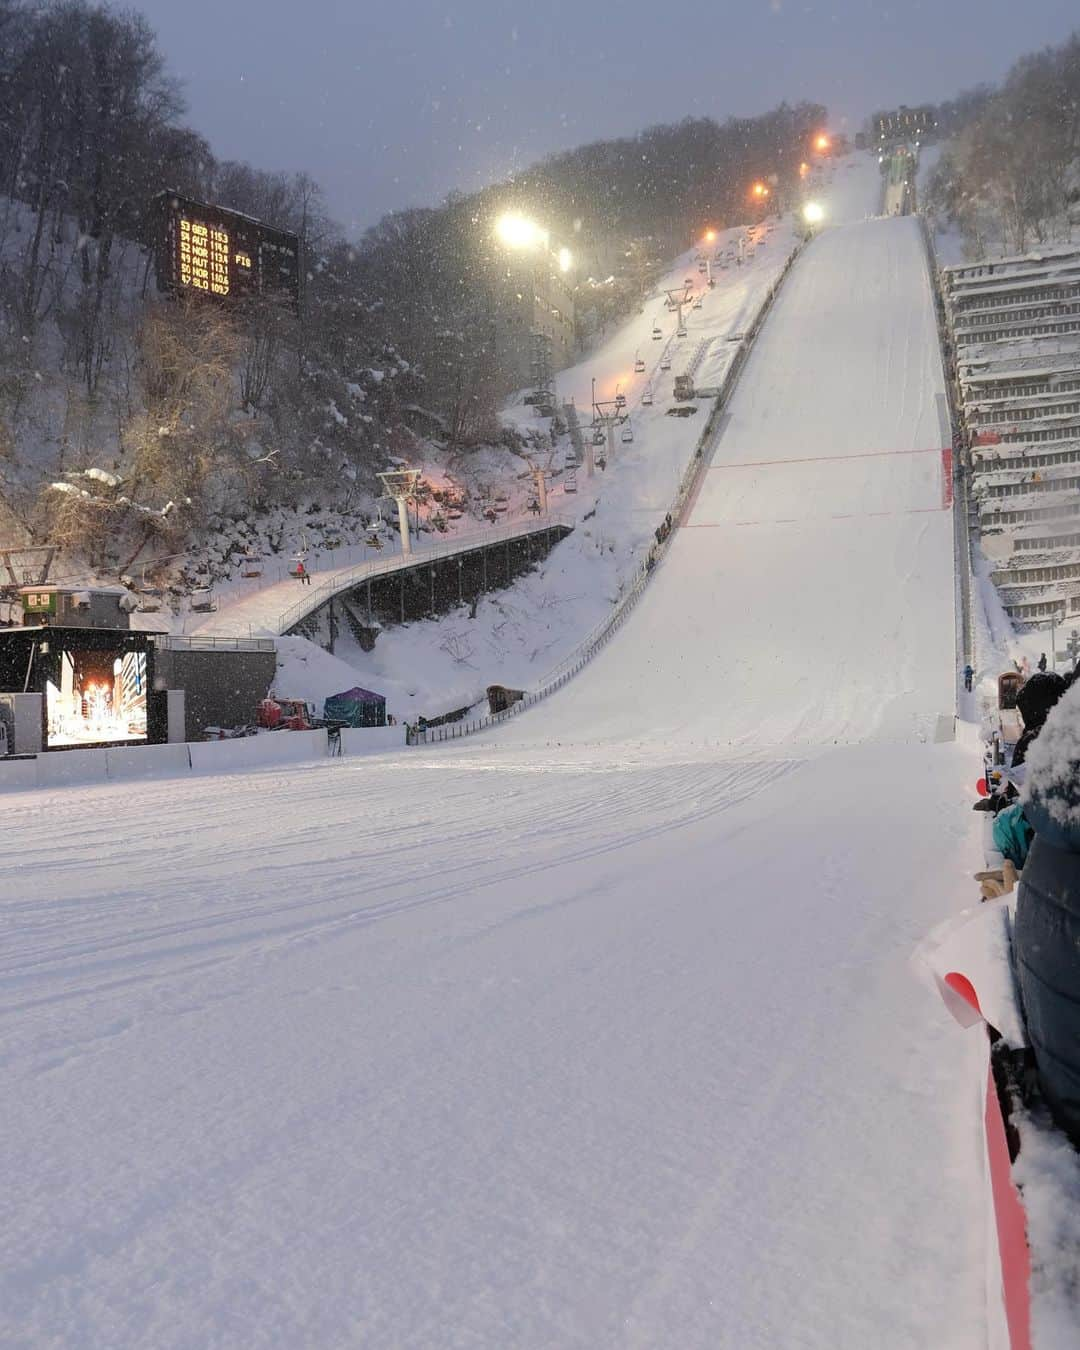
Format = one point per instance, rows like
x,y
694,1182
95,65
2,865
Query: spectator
x,y
1047,929
1035,699
1042,662
969,675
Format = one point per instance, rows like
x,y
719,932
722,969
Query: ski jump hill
x,y
594,1030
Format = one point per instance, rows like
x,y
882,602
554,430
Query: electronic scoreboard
x,y
209,249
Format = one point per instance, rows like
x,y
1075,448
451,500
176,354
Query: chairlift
x,y
252,565
202,600
150,599
697,303
657,333
570,481
680,332
598,436
601,462
639,366
627,434
620,400
665,363
646,397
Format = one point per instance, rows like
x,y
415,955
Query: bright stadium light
x,y
566,261
710,236
517,231
821,143
813,213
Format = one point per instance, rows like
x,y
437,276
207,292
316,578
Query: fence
x,y
599,637
316,596
965,636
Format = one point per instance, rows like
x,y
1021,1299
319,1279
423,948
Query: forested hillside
x,y
130,422
1010,177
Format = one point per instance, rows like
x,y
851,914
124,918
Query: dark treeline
x,y
1010,176
195,411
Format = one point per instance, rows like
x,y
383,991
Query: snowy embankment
x,y
585,1034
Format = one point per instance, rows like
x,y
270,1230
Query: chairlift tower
x,y
540,479
24,567
400,484
609,413
677,299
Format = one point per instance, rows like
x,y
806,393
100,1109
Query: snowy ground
x,y
596,1032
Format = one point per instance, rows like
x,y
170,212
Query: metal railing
x,y
584,652
197,642
317,596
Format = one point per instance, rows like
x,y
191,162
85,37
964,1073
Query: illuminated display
x,y
223,253
100,699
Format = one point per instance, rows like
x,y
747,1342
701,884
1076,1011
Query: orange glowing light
x,y
821,142
804,169
760,191
710,236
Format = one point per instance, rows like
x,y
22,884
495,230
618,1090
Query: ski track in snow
x,y
597,1031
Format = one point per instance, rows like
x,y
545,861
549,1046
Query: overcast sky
x,y
392,103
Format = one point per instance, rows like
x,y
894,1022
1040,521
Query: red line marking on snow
x,y
946,478
812,520
827,459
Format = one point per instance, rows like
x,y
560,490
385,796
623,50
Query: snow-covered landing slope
x,y
517,1046
809,598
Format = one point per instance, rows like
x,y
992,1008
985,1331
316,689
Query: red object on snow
x,y
283,714
987,438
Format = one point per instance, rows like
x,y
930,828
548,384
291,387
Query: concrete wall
x,y
222,688
371,740
21,714
61,768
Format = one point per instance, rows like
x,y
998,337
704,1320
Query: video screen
x,y
101,698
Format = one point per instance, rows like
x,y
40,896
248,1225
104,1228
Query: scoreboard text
x,y
223,253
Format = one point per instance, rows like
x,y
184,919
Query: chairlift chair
x,y
620,400
251,565
202,600
697,303
598,436
665,363
639,366
627,434
657,333
150,598
680,332
646,397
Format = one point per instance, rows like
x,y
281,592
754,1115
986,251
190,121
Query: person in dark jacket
x,y
1035,699
1047,929
1042,661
